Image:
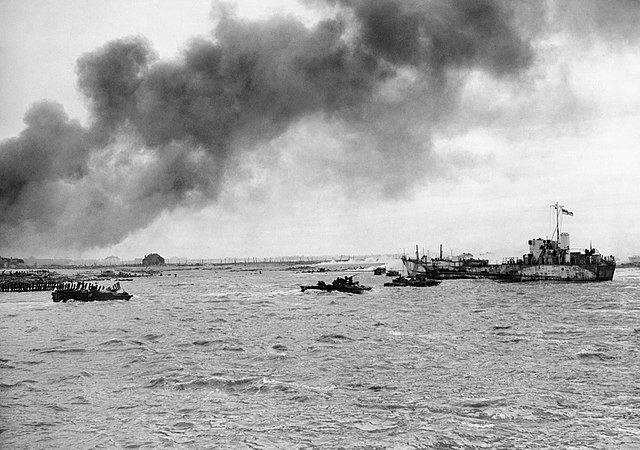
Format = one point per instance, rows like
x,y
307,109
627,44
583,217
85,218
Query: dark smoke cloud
x,y
165,134
109,78
441,35
51,148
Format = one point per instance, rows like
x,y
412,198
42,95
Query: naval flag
x,y
568,213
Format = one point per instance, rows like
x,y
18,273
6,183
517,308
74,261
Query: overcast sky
x,y
270,128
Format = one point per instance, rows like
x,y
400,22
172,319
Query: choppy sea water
x,y
243,359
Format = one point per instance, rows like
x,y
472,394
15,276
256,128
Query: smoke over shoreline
x,y
165,134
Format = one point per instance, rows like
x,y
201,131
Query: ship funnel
x,y
564,247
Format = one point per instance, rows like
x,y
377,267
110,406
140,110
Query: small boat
x,y
90,293
340,284
412,282
393,273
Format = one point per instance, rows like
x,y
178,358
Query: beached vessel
x,y
548,259
444,267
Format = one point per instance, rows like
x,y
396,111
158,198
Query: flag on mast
x,y
568,213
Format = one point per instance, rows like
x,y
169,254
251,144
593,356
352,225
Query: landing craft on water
x,y
548,260
444,267
90,293
340,284
402,281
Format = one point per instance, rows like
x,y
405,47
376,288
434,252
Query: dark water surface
x,y
239,359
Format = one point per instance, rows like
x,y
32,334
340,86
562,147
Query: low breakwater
x,y
34,281
29,286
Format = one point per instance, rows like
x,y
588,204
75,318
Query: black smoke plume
x,y
164,134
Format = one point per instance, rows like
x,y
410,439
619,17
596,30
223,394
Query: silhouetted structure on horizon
x,y
153,259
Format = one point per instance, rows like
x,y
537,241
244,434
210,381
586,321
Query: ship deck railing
x,y
512,260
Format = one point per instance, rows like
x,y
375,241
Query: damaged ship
x,y
548,259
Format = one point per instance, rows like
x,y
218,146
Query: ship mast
x,y
559,211
556,230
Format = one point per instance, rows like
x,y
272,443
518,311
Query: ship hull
x,y
420,270
517,272
555,272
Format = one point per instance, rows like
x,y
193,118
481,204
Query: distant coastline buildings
x,y
11,263
111,261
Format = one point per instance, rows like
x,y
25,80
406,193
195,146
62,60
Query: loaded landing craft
x,y
548,259
90,293
340,284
